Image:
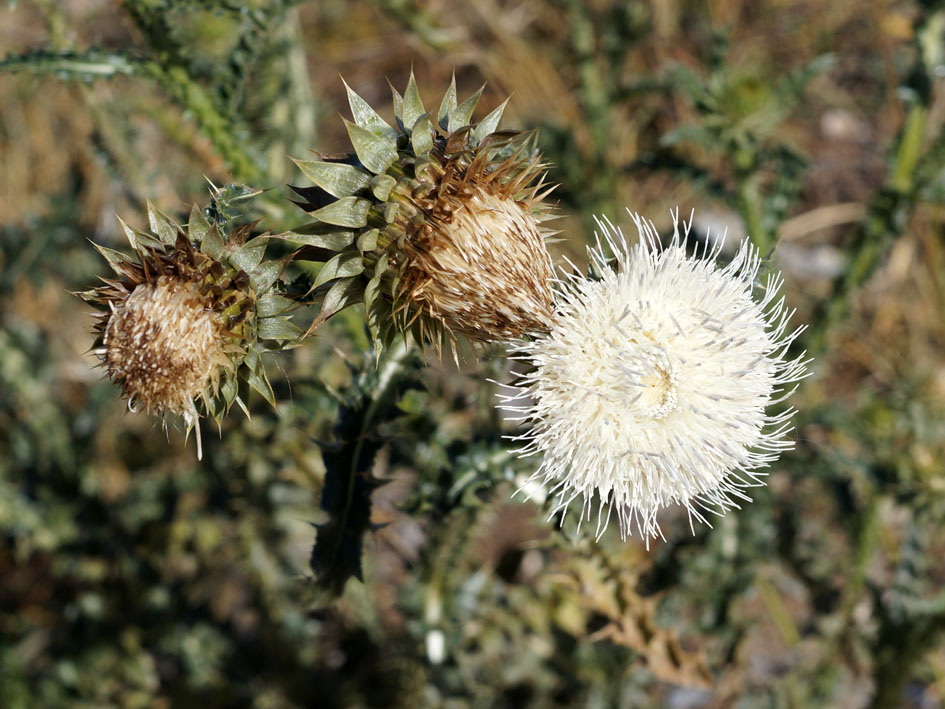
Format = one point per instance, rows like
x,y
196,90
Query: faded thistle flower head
x,y
434,224
188,315
653,385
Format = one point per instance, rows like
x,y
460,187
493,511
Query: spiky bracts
x,y
189,316
434,225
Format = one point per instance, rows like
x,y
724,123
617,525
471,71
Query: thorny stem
x,y
390,364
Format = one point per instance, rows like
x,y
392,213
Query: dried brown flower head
x,y
478,263
164,345
186,318
434,225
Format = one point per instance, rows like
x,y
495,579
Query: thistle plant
x,y
190,314
435,224
654,384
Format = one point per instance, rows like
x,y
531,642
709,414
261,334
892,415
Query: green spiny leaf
x,y
139,239
345,292
398,104
265,275
248,257
488,124
212,243
256,376
320,235
277,329
374,152
272,305
422,135
447,105
382,185
162,225
462,115
114,258
368,240
337,179
347,212
197,226
341,266
366,117
413,106
228,390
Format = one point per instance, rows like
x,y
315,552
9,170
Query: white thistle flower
x,y
653,385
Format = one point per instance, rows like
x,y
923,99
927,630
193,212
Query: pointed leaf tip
x,y
447,105
161,225
462,115
413,106
197,225
365,116
489,124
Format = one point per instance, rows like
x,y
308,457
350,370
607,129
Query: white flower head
x,y
653,385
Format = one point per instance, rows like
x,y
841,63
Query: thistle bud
x,y
435,225
189,316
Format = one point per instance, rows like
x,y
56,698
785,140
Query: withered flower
x,y
435,224
189,316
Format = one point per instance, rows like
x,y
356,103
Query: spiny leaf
x,y
228,390
273,304
277,329
374,152
341,266
368,240
337,179
114,258
413,106
462,115
345,292
488,124
139,239
212,244
256,376
447,105
422,136
347,212
265,275
382,185
398,104
248,257
197,226
321,235
366,117
162,225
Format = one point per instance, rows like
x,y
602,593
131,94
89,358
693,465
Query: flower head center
x,y
162,345
656,377
659,396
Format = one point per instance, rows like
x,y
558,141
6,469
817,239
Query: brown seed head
x,y
479,265
435,225
164,346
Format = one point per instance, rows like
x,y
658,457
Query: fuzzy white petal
x,y
653,385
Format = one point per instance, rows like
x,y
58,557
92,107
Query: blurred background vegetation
x,y
132,575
